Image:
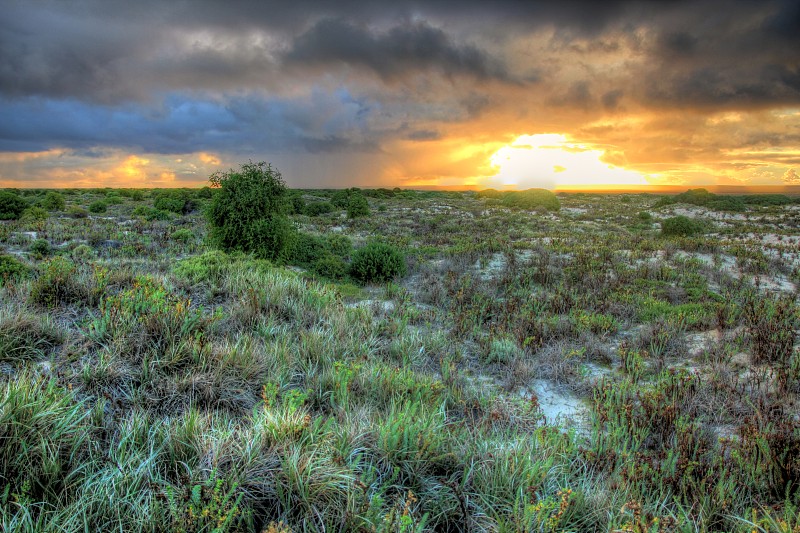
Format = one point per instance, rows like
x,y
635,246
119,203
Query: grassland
x,y
566,370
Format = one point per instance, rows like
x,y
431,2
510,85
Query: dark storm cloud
x,y
246,76
678,43
239,125
410,47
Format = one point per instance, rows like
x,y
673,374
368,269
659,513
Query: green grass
x,y
151,383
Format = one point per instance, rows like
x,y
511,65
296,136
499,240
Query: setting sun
x,y
553,161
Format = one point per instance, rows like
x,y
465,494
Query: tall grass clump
x,y
25,336
45,434
57,284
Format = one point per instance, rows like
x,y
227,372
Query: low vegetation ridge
x,y
245,357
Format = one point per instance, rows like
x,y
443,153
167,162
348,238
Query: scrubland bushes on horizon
x,y
528,199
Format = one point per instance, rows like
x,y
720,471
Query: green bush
x,y
314,209
340,245
11,269
35,213
151,213
114,200
330,266
341,198
177,201
249,211
297,204
680,226
41,247
98,207
306,249
53,201
11,206
531,199
357,206
377,262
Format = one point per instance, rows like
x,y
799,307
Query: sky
x,y
467,94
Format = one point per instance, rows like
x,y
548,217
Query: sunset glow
x,y
551,161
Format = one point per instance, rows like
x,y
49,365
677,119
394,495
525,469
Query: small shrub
x,y
644,216
307,248
680,226
11,206
314,209
297,204
340,198
40,247
114,200
134,194
35,213
330,266
377,262
340,245
12,269
98,207
75,211
53,201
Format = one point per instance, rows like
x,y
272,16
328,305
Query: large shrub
x,y
377,262
11,206
249,211
680,226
